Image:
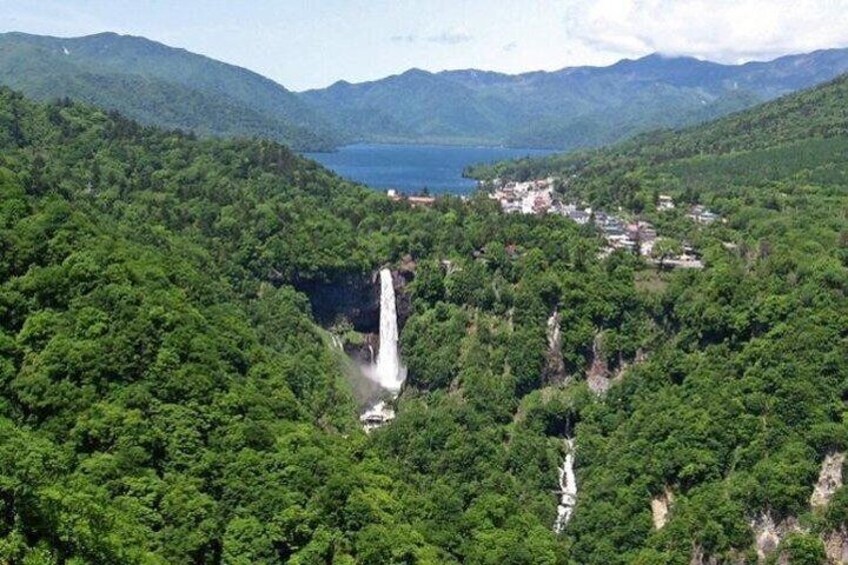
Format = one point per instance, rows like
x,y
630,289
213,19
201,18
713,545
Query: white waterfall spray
x,y
567,489
554,332
389,372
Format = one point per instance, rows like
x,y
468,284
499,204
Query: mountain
x,y
160,85
570,108
167,396
800,119
743,438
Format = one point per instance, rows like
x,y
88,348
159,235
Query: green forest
x,y
160,85
168,396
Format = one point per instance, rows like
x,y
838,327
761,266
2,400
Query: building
x,y
542,202
414,201
421,200
665,202
579,216
377,416
701,215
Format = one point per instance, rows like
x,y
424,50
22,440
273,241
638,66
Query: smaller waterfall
x,y
554,333
554,369
567,489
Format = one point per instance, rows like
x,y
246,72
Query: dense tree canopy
x,y
168,398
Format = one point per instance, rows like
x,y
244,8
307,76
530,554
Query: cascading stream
x,y
567,489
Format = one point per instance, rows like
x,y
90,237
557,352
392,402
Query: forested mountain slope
x,y
736,410
162,401
166,396
160,85
567,109
806,117
571,108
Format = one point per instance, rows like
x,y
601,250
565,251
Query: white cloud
x,y
409,38
453,37
720,30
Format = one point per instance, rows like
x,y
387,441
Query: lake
x,y
412,168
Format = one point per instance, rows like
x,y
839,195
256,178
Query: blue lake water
x,y
412,168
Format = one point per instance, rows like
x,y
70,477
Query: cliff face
x,y
836,546
660,507
554,370
598,376
355,297
352,302
830,480
769,534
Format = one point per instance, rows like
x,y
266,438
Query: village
x,y
637,236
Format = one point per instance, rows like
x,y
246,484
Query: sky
x,y
306,44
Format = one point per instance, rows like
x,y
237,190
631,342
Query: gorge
x,y
191,331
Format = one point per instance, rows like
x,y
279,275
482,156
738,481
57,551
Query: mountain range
x,y
167,397
573,107
566,109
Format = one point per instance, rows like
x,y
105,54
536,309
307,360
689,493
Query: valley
x,y
572,108
568,109
220,343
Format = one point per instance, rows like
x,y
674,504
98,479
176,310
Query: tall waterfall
x,y
567,489
388,370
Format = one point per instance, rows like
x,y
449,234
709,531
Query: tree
x,y
665,248
803,549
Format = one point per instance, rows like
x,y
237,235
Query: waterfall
x,y
388,370
554,333
554,370
567,489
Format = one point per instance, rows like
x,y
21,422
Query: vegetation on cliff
x,y
166,396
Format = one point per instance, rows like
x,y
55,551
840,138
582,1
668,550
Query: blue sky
x,y
307,44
